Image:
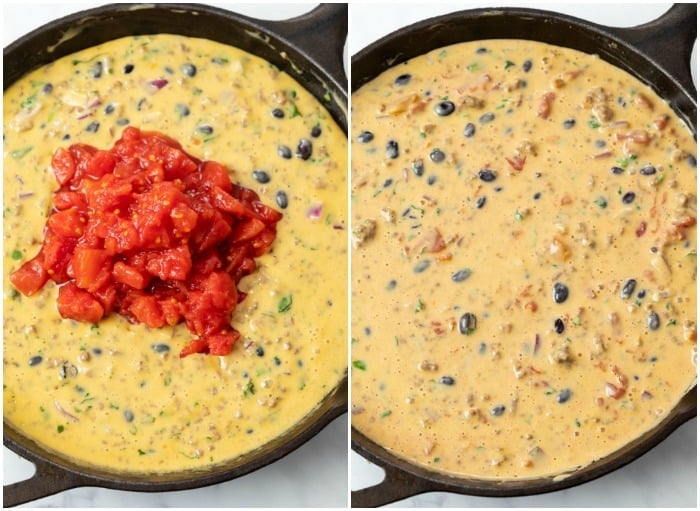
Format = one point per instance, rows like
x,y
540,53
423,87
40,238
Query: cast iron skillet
x,y
310,49
659,54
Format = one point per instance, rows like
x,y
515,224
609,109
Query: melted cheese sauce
x,y
117,395
523,264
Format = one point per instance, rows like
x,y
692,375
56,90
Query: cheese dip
x,y
117,395
523,269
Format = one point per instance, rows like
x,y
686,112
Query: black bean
x,y
486,118
128,416
66,137
527,65
692,160
467,323
35,360
205,129
402,79
560,292
628,198
182,110
418,167
600,143
469,130
281,199
498,410
96,69
647,170
316,131
259,351
278,113
421,266
437,156
261,176
160,348
617,170
480,202
537,196
444,108
276,360
628,288
169,70
365,137
304,149
284,151
487,175
47,88
388,182
122,122
392,149
97,351
653,321
559,325
391,285
461,275
188,69
109,108
93,127
140,104
128,68
447,380
642,293
569,123
564,395
432,179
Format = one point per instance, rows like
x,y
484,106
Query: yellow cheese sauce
x,y
523,269
116,394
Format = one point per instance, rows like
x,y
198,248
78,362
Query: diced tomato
x,y
78,304
150,232
92,268
30,277
69,223
63,165
194,346
130,275
170,264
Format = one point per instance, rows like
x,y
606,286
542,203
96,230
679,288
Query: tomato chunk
x,y
78,304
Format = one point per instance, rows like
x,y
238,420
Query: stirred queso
x,y
523,261
115,393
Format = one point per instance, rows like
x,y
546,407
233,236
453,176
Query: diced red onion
x,y
315,212
159,83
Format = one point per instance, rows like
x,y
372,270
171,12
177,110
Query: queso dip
x,y
117,395
523,262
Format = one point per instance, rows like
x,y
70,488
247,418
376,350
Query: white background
x,y
315,475
667,475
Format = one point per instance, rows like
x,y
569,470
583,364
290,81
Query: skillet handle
x,y
668,41
397,485
47,480
321,35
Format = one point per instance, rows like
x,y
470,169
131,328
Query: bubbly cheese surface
x,y
523,269
115,394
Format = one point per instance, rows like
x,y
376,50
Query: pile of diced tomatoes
x,y
152,233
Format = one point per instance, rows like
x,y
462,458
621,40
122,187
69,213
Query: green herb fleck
x,y
29,102
518,216
359,364
249,389
141,452
593,123
509,64
436,459
385,413
284,304
473,67
16,255
419,306
601,202
19,153
60,428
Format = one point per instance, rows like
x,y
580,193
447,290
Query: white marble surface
x,y
315,475
664,477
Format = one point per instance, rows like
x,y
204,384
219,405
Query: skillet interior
x,y
653,44
290,45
